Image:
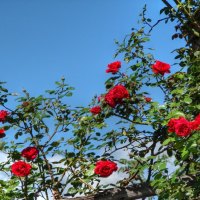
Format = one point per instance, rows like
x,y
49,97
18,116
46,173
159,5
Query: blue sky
x,y
41,41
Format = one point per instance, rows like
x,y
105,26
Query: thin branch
x,y
160,20
134,122
167,4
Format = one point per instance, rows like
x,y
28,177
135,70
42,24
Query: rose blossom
x,y
116,95
148,99
105,168
113,67
161,68
180,126
30,153
2,133
3,115
171,125
195,124
95,110
21,168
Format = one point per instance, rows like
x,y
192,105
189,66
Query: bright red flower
x,y
180,126
21,168
148,99
3,115
2,133
30,153
195,124
109,99
160,68
95,110
116,95
171,125
113,67
105,168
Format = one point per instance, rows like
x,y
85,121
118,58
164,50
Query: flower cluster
x,y
105,168
21,168
116,95
113,67
161,68
182,127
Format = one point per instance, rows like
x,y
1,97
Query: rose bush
x,y
129,131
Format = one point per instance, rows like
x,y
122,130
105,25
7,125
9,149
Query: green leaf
x,y
90,171
167,141
187,100
176,114
162,166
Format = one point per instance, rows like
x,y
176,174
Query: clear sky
x,y
43,40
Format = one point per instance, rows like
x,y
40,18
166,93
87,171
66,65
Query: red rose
x,y
3,115
161,68
95,110
105,168
116,95
2,133
180,126
30,153
171,124
147,99
109,99
113,67
195,125
21,168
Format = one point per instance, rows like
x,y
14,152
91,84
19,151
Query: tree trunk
x,y
128,193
